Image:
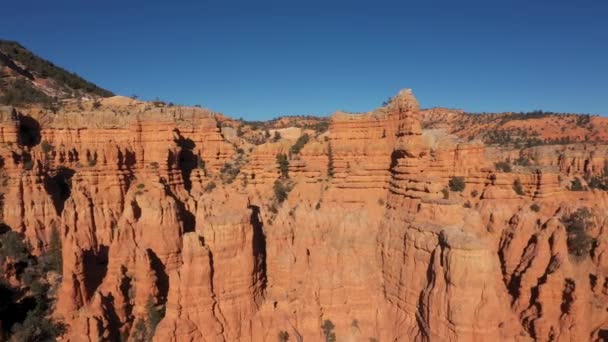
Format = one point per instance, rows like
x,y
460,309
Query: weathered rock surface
x,y
156,208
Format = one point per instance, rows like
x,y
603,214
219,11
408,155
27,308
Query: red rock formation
x,y
156,208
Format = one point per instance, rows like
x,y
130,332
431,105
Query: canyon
x,y
389,225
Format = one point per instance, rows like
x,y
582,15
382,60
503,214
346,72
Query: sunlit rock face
x,y
390,231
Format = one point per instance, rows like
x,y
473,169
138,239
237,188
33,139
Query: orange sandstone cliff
x,y
388,228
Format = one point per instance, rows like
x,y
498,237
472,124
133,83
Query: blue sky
x,y
261,59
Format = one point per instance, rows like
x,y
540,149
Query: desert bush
x,y
535,207
297,147
281,191
53,260
328,331
46,147
21,92
457,184
12,246
229,173
210,186
576,185
155,314
522,161
518,187
277,136
597,182
283,163
503,166
330,161
577,224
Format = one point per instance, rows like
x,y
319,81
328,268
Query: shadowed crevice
x,y
29,131
58,184
95,267
259,246
186,159
162,279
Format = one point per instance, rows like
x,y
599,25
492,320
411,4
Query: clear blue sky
x,y
260,59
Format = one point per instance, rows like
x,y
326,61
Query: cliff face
x,y
390,231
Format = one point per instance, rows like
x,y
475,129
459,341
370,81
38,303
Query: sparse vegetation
x,y
577,225
54,259
32,298
46,69
297,147
47,149
229,172
535,207
320,127
283,163
28,164
599,181
277,136
457,184
209,187
283,336
522,161
12,247
201,165
21,92
503,166
518,187
328,331
576,185
155,315
281,191
330,161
